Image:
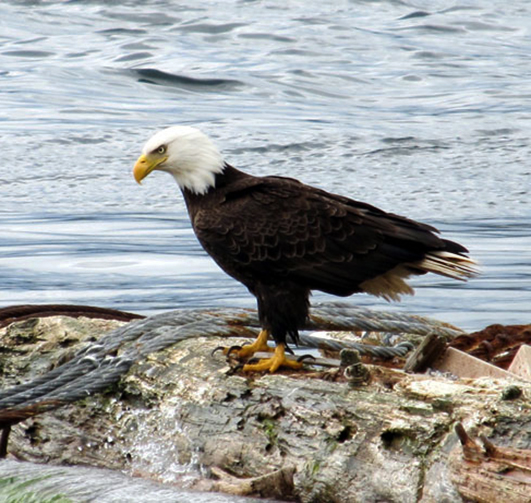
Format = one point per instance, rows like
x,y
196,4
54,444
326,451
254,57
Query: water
x,y
418,107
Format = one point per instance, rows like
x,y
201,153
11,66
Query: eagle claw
x,y
215,350
228,351
301,358
234,369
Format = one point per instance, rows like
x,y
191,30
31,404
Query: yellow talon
x,y
268,364
272,364
260,344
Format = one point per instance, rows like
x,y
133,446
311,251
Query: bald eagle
x,y
282,238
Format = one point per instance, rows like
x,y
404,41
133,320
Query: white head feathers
x,y
190,157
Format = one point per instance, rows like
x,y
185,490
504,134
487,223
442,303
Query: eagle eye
x,y
161,150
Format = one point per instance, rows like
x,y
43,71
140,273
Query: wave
x,y
158,77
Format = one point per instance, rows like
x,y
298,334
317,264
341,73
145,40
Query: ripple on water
x,y
153,76
28,54
416,108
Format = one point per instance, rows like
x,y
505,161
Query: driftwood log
x,y
176,414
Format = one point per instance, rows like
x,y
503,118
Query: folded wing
x,y
274,229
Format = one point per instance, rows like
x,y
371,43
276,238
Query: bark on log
x,y
178,416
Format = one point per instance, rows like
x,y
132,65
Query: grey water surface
x,y
420,107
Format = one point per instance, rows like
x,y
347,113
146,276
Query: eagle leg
x,y
272,364
246,351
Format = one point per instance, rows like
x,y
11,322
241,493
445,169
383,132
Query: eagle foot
x,y
247,350
274,363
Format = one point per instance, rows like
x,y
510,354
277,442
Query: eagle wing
x,y
272,229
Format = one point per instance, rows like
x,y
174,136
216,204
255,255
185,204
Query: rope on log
x,y
96,367
383,352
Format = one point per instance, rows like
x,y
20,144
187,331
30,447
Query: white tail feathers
x,y
449,264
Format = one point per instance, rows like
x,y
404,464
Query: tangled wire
x,y
100,365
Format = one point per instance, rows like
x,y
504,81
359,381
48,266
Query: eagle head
x,y
185,153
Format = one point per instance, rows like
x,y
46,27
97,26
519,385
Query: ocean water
x,y
421,108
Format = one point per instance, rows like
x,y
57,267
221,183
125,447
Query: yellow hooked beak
x,y
145,165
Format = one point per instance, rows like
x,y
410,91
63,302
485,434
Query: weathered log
x,y
18,313
179,416
481,471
